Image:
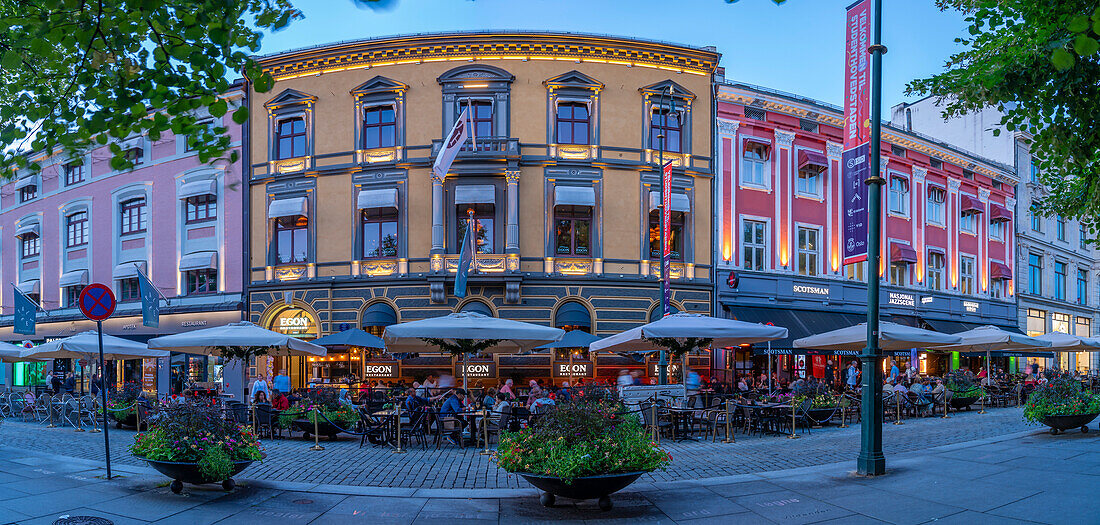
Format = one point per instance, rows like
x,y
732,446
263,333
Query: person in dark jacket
x,y
830,374
69,386
55,382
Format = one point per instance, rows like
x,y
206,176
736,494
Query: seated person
x,y
541,403
454,404
489,399
279,401
413,402
260,397
564,394
501,406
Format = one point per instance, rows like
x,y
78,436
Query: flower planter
x,y
959,403
324,428
1059,424
586,487
188,472
821,416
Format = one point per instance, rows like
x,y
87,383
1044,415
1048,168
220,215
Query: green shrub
x,y
1060,396
199,435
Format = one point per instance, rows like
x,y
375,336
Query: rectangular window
x,y
485,219
201,208
968,175
1060,280
968,222
754,245
1036,322
132,215
899,274
136,156
129,290
897,151
666,123
572,123
1082,287
808,182
379,127
676,235
936,198
997,230
379,232
74,173
481,119
1084,329
290,138
899,196
72,296
30,245
572,233
1034,170
1060,225
936,263
752,164
1034,274
966,275
27,193
76,229
808,251
1059,323
291,239
202,281
1082,232
936,164
996,288
997,184
856,271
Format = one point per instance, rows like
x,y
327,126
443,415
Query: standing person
x,y
281,382
830,374
55,382
69,386
429,387
259,386
624,378
894,372
853,375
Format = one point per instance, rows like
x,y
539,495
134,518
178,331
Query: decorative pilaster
x,y
437,214
511,239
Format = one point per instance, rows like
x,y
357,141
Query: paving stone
x,y
693,503
790,507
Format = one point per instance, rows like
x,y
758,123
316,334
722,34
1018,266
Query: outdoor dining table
x,y
681,422
757,410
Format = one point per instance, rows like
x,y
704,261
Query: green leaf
x,y
1085,45
240,116
1079,23
218,108
1062,59
11,60
138,110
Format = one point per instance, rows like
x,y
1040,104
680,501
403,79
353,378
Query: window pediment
x,y
290,97
575,80
661,88
379,85
476,72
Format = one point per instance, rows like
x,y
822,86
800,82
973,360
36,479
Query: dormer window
x,y
290,138
74,174
27,193
135,155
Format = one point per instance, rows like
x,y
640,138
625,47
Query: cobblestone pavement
x,y
344,463
1023,477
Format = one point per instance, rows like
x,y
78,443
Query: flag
x,y
452,143
666,229
150,301
25,310
465,258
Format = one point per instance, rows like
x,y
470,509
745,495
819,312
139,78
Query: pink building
x,y
173,217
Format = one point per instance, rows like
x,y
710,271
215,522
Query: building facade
x,y
349,228
1056,265
78,221
947,236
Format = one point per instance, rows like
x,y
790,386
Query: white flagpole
x,y
470,122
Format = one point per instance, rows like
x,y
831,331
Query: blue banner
x,y
465,258
150,302
25,310
855,165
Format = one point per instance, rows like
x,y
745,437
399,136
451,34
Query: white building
x,y
1056,271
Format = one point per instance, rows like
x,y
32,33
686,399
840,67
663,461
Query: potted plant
x,y
963,390
123,406
1061,404
194,444
582,450
319,411
823,405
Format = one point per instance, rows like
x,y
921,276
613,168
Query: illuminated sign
x,y
902,299
575,369
971,306
673,369
813,290
927,300
477,369
386,369
294,321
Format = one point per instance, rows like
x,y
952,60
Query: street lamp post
x,y
871,461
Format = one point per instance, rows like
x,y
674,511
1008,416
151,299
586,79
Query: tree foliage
x,y
1038,62
81,73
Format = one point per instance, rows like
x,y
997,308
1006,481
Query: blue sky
x,y
797,47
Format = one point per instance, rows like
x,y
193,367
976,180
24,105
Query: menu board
x,y
149,375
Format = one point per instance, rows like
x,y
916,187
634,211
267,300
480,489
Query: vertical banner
x,y
25,310
666,228
857,108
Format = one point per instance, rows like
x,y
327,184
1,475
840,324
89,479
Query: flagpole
x,y
155,289
472,223
662,363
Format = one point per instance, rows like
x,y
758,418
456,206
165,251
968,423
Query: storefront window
x,y
1036,322
29,374
1059,323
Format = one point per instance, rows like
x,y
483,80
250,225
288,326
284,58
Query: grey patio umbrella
x,y
891,336
10,353
991,338
1060,342
85,345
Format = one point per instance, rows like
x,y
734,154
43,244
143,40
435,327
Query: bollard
x,y
254,429
79,425
50,408
485,432
95,418
946,407
897,413
656,427
794,423
137,417
729,430
843,415
316,440
982,399
397,412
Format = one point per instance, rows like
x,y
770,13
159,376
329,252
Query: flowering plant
x,y
961,385
121,404
200,435
581,439
324,401
1060,396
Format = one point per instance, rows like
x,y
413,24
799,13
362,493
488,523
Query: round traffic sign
x,y
97,302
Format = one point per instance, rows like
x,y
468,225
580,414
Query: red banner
x,y
666,227
857,75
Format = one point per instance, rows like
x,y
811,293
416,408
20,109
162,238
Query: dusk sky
x,y
797,47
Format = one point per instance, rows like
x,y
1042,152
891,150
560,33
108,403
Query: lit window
x,y
1036,322
676,235
899,196
856,271
291,238
572,230
808,250
899,273
484,218
754,245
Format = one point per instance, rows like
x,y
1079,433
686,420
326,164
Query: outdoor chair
x,y
661,426
5,405
919,405
419,426
70,411
25,405
448,427
713,420
43,407
371,428
263,421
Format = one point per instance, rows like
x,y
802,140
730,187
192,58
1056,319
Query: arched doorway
x,y
479,307
377,317
296,322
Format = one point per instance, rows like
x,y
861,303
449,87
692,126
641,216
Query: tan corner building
x,y
349,228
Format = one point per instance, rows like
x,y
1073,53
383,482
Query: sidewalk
x,y
1021,477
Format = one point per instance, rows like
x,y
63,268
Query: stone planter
x,y
1060,424
587,487
959,403
821,416
324,428
188,472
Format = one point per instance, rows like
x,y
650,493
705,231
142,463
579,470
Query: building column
x,y
833,199
725,246
511,233
437,214
784,191
917,213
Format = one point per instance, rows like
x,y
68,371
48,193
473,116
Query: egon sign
x,y
573,369
376,370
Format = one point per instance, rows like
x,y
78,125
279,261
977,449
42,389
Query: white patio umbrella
x,y
683,326
510,336
991,338
85,345
891,336
10,353
1060,342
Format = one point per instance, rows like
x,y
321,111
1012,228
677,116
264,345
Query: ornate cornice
x,y
784,138
983,194
728,127
1010,202
511,176
953,185
919,174
834,150
414,49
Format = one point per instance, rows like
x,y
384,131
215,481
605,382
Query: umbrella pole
x,y
465,371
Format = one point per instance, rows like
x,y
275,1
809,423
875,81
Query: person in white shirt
x,y
624,378
260,385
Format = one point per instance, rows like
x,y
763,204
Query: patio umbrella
x,y
468,330
1060,342
891,336
991,338
10,353
571,339
351,338
692,330
85,345
210,341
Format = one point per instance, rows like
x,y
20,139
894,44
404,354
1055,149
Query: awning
x,y
379,314
902,253
954,327
74,278
998,213
999,271
199,187
572,313
812,160
680,202
33,227
479,194
574,196
128,270
479,307
30,180
799,323
33,286
968,204
297,206
199,261
383,198
1010,353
